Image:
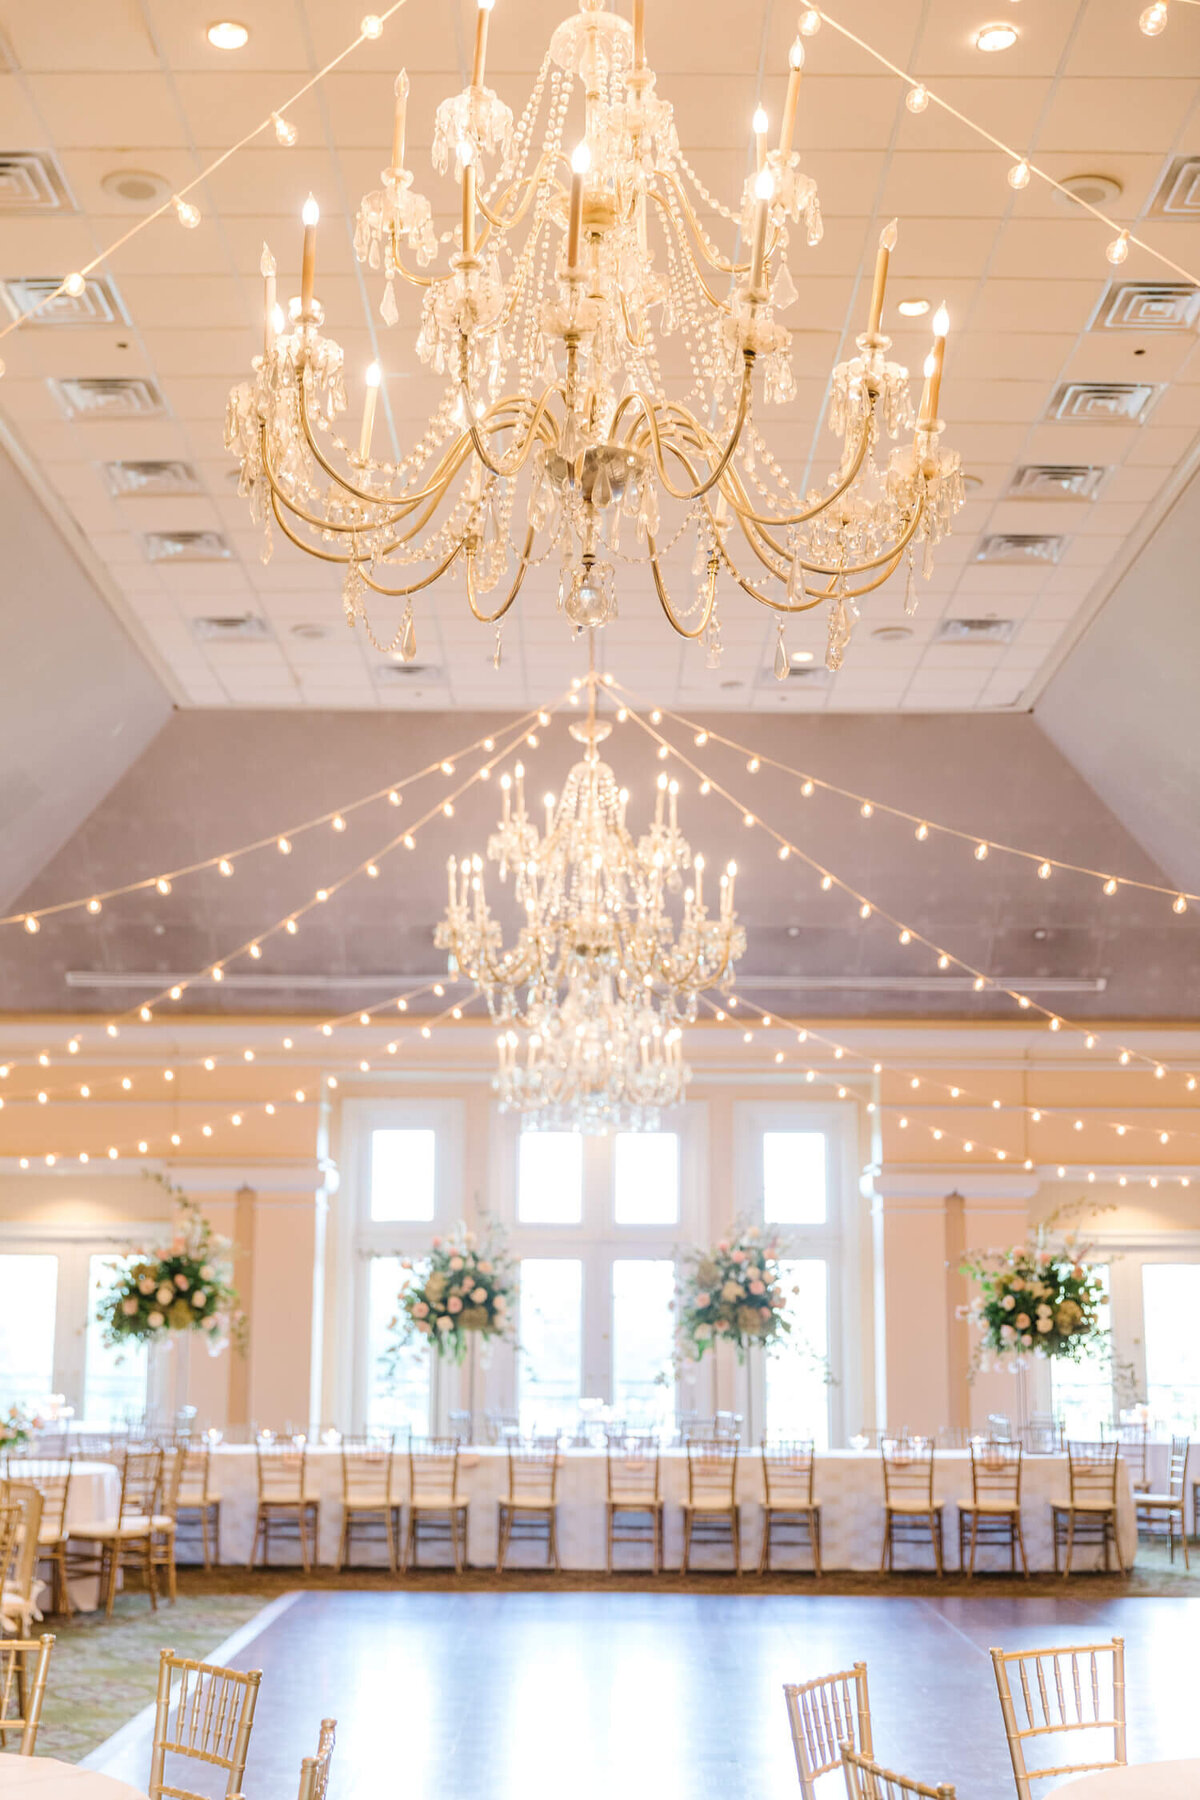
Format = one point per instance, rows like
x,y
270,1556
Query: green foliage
x,y
468,1288
187,1287
732,1295
1038,1298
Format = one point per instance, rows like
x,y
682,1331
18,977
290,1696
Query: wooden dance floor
x,y
605,1696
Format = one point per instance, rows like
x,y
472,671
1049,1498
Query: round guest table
x,y
1140,1781
41,1778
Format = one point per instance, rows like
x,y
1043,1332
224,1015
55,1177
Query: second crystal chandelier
x,y
575,283
593,990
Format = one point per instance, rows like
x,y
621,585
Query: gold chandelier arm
x,y
405,273
507,467
779,606
876,562
808,513
493,618
664,599
712,258
505,222
352,529
402,593
683,239
635,438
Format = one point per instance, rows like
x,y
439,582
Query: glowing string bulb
x,y
981,851
285,132
74,285
921,833
187,214
810,22
917,98
32,923
1118,250
372,26
1018,175
1179,904
1153,21
1044,871
1110,887
163,885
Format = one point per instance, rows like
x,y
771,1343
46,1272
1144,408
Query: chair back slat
x,y
368,1467
1093,1470
996,1472
433,1468
141,1481
634,1467
51,1476
282,1470
824,1714
788,1467
712,1470
314,1770
1073,1688
203,1713
1177,1466
533,1472
907,1469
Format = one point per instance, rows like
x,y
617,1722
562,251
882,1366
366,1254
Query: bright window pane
x,y
642,1342
550,1178
797,1391
794,1178
402,1175
1082,1392
1171,1292
114,1381
646,1178
548,1386
28,1286
402,1402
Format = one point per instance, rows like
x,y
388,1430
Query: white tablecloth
x,y
849,1486
95,1493
42,1778
1141,1781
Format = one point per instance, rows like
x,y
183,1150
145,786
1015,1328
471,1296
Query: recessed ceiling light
x,y
913,309
996,37
800,657
892,634
231,34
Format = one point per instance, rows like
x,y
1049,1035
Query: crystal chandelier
x,y
572,285
601,976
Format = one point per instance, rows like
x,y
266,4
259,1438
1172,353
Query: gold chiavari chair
x,y
125,1541
369,1497
286,1502
498,1427
1089,1516
198,1502
1043,1436
710,1512
1074,1688
634,1504
163,1524
529,1511
24,1667
51,1476
18,1574
911,1514
788,1504
993,1513
866,1780
314,1770
435,1508
1156,1510
825,1714
206,1720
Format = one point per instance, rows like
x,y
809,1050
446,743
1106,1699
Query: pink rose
x,y
766,1312
701,1299
420,1310
723,1245
738,1256
436,1243
479,1296
1022,1321
425,1329
722,1324
485,1268
454,1304
757,1287
456,1263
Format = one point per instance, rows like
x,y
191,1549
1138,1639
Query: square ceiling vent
x,y
185,546
799,675
975,631
40,297
32,182
1148,306
1057,481
135,480
232,628
107,397
391,674
1020,547
1103,402
1178,195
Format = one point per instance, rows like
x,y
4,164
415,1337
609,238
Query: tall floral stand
x,y
472,1387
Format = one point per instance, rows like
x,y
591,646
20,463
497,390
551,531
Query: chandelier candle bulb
x,y
639,34
373,378
467,157
308,267
764,189
482,18
887,243
399,118
267,265
791,104
760,137
581,162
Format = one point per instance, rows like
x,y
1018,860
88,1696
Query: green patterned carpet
x,y
102,1671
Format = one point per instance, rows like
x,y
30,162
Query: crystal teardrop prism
x,y
781,656
408,636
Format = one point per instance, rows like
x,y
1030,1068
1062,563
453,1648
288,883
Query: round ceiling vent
x,y
892,634
139,188
309,632
1092,190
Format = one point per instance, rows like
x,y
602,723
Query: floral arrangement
x,y
465,1290
187,1287
17,1427
731,1295
1038,1298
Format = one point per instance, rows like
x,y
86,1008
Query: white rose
x,y
129,1307
1046,1324
206,1271
1008,1303
499,1303
702,1332
445,1322
199,1297
165,1295
155,1320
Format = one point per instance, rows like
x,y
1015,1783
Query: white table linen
x,y
1140,1781
849,1486
94,1496
42,1778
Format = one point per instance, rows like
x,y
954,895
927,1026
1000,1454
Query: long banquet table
x,y
848,1484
